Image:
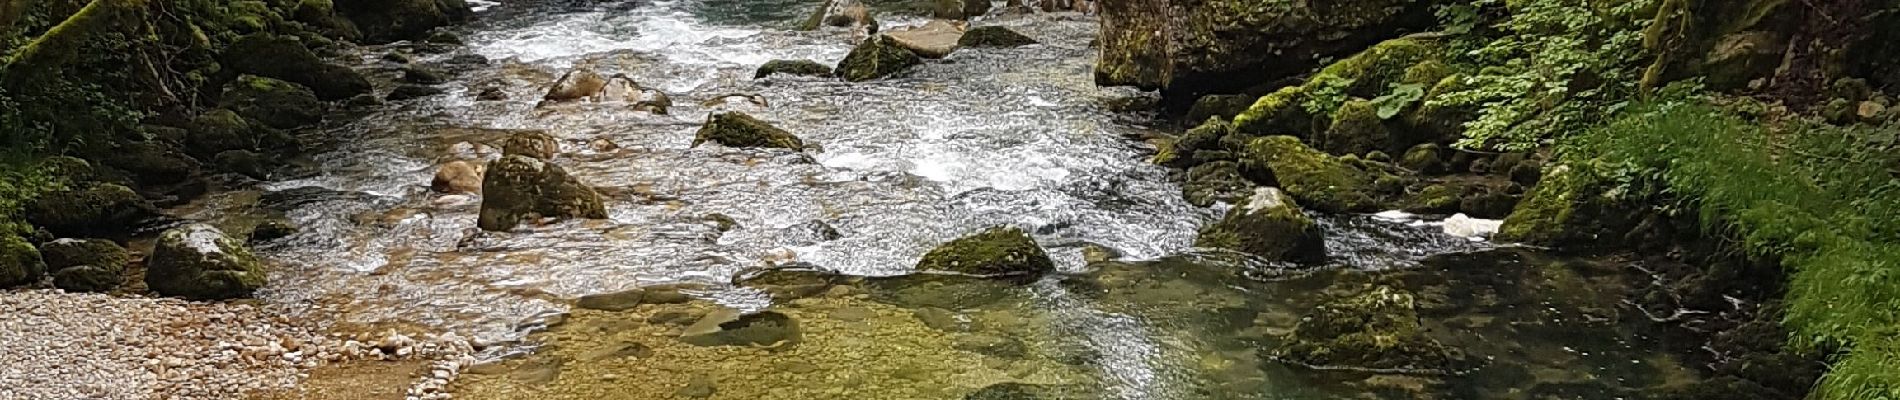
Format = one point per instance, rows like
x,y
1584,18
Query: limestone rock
x,y
517,187
458,177
737,129
1269,225
994,252
198,261
935,39
878,57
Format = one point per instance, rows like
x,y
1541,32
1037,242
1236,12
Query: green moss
x,y
1270,225
994,252
1356,129
1424,158
1194,147
518,187
1438,120
736,129
877,57
792,67
1428,73
1316,179
19,262
1373,70
1277,113
1435,199
66,253
286,58
1376,329
199,262
273,102
1570,207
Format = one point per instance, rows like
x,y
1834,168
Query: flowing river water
x,y
985,137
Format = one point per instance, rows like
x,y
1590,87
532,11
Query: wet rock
x,y
1218,181
443,37
383,21
789,281
674,293
877,57
941,290
406,92
935,39
993,36
272,229
396,57
218,131
938,318
1356,129
1221,106
615,301
994,252
467,60
1489,204
1318,180
517,187
102,210
1270,225
1570,206
579,83
1377,329
727,327
1259,42
1203,144
737,129
242,162
458,177
960,9
424,75
990,345
198,261
152,163
283,57
603,145
491,94
274,103
66,253
20,263
793,67
322,15
531,143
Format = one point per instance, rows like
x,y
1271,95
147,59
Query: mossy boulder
x,y
152,162
516,187
242,162
737,129
1270,225
1376,329
101,210
383,21
1356,129
1318,180
20,263
792,67
286,58
1281,112
1218,181
1196,46
1571,206
994,36
1376,68
1223,106
1426,158
1435,199
322,16
92,265
272,102
994,252
878,57
198,261
1437,121
217,131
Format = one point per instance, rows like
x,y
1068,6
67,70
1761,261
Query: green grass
x,y
1821,197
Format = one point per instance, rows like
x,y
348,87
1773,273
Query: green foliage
x,y
1548,68
1401,98
1821,197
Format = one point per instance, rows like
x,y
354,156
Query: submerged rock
x,y
283,57
1377,329
273,102
20,263
1319,180
737,129
789,281
1194,46
1026,391
458,176
614,301
935,39
198,261
994,252
727,327
993,36
517,187
792,67
878,57
1270,225
102,210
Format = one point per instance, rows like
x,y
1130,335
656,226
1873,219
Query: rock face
x,y
199,262
1269,225
275,103
85,265
736,129
1378,329
935,39
19,262
517,187
103,210
994,252
1192,46
285,58
458,177
993,36
878,57
1319,180
792,67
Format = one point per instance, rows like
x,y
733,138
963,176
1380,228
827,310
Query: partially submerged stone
x,y
1377,329
273,102
20,263
737,129
1570,207
218,131
1213,182
934,39
994,252
612,301
993,36
578,83
198,261
1270,225
517,187
383,21
878,57
792,67
1316,179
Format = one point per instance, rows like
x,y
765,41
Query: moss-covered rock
x,y
736,129
1218,181
1426,158
994,252
322,15
1192,46
242,162
792,67
198,261
1570,207
85,265
1278,113
1382,65
20,263
531,143
272,102
1434,120
877,57
1435,199
152,163
1223,106
383,21
1356,129
1270,225
101,210
994,36
1318,180
284,57
1377,329
217,131
1202,144
517,187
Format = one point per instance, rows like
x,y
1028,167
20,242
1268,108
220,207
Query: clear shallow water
x,y
993,136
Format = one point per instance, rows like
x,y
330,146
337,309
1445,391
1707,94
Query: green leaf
x,y
1402,96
